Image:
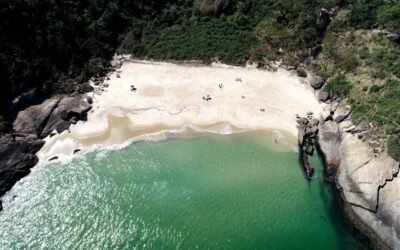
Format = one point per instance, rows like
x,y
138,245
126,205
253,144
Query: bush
x,y
375,88
301,73
396,68
338,86
394,147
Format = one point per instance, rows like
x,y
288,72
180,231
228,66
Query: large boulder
x,y
362,173
316,82
33,119
69,110
323,96
16,159
370,185
342,112
361,127
329,141
83,88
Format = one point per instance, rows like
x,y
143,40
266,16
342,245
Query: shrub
x,y
375,88
396,68
339,86
301,73
394,147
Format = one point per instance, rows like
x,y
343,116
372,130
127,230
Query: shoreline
x,y
169,97
162,122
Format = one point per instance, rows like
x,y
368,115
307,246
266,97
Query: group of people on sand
x,y
207,98
133,88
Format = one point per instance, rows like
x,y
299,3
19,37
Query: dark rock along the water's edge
x,y
31,125
34,119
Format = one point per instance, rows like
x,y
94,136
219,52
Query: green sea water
x,y
209,192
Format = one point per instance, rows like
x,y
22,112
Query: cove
x,y
208,192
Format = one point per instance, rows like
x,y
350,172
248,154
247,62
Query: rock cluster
x,y
307,133
17,149
357,160
35,122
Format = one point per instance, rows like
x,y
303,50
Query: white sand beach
x,y
169,98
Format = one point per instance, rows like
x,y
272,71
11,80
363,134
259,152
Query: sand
x,y
169,102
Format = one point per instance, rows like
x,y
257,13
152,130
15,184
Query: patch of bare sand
x,y
169,100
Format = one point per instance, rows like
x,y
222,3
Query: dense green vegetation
x,y
55,44
364,66
338,86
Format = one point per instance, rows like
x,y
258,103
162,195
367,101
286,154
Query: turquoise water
x,y
212,192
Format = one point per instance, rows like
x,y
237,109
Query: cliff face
x,y
367,180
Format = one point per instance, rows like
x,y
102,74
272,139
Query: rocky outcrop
x,y
69,110
18,149
366,179
32,119
16,159
329,143
323,96
56,113
316,82
307,132
342,111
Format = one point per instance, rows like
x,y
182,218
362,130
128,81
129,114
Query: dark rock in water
x,y
16,159
53,158
323,96
316,82
309,149
17,150
307,132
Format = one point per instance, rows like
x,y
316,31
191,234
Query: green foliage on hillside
x,y
247,30
363,66
338,86
56,44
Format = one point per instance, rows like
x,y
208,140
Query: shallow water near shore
x,y
209,192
